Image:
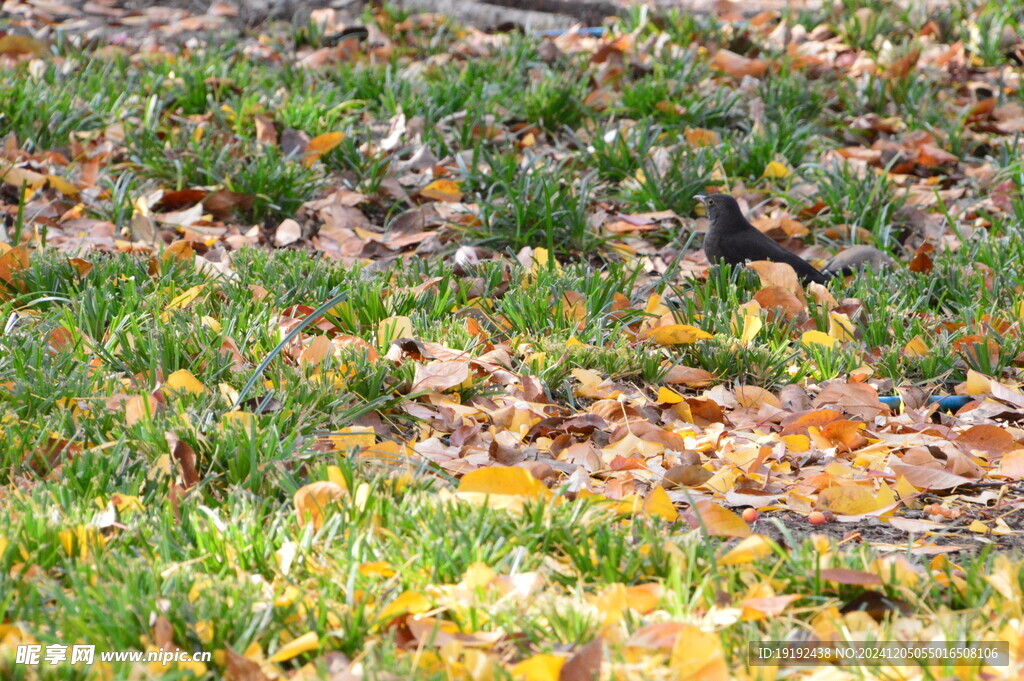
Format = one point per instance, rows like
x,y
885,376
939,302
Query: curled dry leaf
x,y
737,65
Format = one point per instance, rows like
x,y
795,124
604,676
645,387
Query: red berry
x,y
750,515
817,518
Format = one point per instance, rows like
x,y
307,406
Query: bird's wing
x,y
755,245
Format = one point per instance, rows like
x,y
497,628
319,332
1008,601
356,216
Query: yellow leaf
x,y
393,328
978,384
775,170
62,185
241,418
658,505
81,540
750,549
669,396
379,568
407,603
320,145
848,499
353,436
540,260
797,443
498,480
139,407
335,475
697,656
677,334
302,644
979,527
904,489
701,137
478,576
916,348
655,307
182,380
313,499
542,667
818,338
746,322
840,327
180,250
721,522
183,300
644,598
593,386
442,190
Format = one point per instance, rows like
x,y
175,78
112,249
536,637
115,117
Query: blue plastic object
x,y
950,403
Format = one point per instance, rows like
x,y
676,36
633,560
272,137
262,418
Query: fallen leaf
x,y
677,334
440,375
313,499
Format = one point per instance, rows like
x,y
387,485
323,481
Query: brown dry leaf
x,y
22,44
238,668
440,375
766,606
847,576
585,664
777,274
316,352
19,177
12,262
799,423
266,133
140,407
922,261
987,438
923,477
782,299
690,376
737,65
313,499
858,399
1011,465
183,453
846,434
288,232
688,475
753,397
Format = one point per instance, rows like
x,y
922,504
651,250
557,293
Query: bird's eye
x,y
711,202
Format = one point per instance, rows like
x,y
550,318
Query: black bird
x,y
730,238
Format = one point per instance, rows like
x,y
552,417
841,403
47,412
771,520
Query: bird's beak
x,y
701,209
